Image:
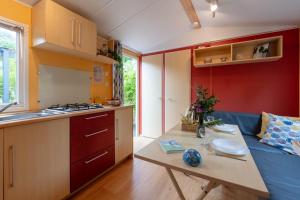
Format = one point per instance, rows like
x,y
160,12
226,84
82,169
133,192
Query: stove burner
x,y
75,107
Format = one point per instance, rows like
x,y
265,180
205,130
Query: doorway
x,y
130,76
130,66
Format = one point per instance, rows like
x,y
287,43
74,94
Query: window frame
x,y
22,70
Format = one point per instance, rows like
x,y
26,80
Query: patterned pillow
x,y
265,123
281,133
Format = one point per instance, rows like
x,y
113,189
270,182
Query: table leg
x,y
206,189
173,179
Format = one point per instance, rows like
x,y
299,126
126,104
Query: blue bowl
x,y
192,157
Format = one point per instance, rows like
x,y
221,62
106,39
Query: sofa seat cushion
x,y
280,173
279,169
254,144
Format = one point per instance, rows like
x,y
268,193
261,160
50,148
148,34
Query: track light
x,y
196,24
213,6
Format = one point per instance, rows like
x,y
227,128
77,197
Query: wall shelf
x,y
105,59
103,45
237,53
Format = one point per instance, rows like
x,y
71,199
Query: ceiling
x,y
151,25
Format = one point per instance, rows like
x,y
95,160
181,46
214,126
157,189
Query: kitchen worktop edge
x,y
19,122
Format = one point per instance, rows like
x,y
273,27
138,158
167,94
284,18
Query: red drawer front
x,y
88,168
86,124
83,145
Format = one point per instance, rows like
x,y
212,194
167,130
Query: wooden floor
x,y
135,179
140,180
140,142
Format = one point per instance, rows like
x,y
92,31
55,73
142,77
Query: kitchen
x,y
69,137
90,91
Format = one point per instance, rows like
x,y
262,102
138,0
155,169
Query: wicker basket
x,y
189,127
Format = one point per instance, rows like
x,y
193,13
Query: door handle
x,y
79,34
172,100
95,158
117,129
12,165
73,29
96,133
95,117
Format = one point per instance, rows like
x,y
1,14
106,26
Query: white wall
x,y
207,34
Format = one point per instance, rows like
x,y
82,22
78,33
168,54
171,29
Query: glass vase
x,y
200,132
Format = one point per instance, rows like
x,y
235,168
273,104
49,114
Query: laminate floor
x,y
135,179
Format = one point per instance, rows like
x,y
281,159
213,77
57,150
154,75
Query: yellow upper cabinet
x,y
85,30
57,28
59,25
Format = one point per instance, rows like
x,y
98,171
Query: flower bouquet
x,y
198,111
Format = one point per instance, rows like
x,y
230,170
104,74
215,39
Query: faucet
x,y
7,106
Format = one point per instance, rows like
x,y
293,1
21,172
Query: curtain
x,y
118,82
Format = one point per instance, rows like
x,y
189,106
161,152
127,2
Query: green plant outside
x,y
129,73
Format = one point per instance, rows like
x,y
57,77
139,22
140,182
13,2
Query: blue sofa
x,y
279,169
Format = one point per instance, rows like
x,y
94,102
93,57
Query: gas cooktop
x,y
75,107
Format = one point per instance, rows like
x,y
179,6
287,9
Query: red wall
x,y
256,87
268,86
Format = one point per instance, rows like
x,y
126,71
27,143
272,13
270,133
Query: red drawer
x,y
83,145
85,124
90,167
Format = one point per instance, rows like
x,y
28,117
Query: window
x,y
13,64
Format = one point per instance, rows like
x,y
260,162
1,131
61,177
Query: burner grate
x,y
71,107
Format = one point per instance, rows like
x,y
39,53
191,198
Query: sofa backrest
x,y
249,124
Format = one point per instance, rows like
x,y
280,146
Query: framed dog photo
x,y
261,51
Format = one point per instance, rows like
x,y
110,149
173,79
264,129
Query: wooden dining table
x,y
238,176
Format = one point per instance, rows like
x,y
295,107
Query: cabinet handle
x,y
79,34
73,29
95,158
117,129
96,133
12,167
95,117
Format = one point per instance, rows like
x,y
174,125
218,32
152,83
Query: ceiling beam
x,y
191,12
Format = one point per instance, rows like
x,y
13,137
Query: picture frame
x,y
261,51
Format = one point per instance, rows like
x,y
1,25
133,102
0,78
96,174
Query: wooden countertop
x,y
18,122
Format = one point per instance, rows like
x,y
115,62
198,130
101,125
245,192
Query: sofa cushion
x,y
265,123
279,169
249,124
280,173
281,132
254,144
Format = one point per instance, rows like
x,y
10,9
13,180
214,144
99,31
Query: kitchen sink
x,y
29,115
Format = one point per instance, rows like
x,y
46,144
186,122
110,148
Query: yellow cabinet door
x,y
37,161
123,133
86,40
60,25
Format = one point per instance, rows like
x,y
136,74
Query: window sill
x,y
17,108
